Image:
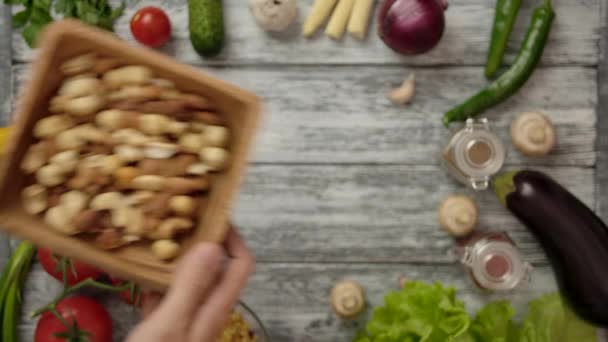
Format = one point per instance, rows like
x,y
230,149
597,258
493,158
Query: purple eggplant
x,y
574,238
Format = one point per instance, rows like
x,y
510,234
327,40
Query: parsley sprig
x,y
37,14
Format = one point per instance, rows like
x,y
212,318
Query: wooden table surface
x,y
343,184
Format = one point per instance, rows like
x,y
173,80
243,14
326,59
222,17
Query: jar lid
x,y
478,153
496,265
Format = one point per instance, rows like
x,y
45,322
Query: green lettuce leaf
x,y
494,323
419,313
549,319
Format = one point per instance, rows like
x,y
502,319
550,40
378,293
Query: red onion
x,y
411,26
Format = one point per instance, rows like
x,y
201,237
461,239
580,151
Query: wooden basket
x,y
68,38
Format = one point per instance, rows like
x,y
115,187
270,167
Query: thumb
x,y
196,275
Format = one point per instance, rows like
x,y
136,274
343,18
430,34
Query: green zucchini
x,y
206,20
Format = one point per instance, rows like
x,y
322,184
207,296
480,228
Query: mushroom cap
x,y
533,134
458,215
347,299
273,15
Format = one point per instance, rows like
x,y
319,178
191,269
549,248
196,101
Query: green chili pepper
x,y
12,279
504,18
517,75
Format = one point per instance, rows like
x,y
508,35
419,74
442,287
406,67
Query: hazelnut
x,y
124,177
165,249
111,163
183,205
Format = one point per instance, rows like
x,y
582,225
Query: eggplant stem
x,y
504,185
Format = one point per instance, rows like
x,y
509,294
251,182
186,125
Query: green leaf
x,y
549,319
493,322
118,11
30,33
66,7
419,312
21,18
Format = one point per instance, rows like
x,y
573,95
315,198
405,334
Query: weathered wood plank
x,y
574,39
293,299
5,96
341,114
361,213
601,176
371,214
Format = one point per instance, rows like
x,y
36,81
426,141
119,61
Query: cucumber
x,y
206,20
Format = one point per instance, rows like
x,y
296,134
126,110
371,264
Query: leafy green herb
x,y
37,14
431,313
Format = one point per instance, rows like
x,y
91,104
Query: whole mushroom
x,y
458,215
274,15
533,134
347,299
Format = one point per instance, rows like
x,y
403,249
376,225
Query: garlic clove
x,y
533,134
458,215
405,92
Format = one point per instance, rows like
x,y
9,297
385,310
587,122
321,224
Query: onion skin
x,y
411,27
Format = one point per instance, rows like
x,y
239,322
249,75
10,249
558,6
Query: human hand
x,y
206,287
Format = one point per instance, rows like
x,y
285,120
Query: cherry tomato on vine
x,y
151,26
55,265
86,319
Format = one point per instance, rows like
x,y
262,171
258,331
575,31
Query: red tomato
x,y
151,26
84,316
77,271
134,298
